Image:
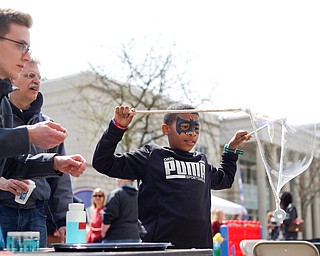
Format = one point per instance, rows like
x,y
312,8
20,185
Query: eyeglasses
x,y
97,196
24,48
31,75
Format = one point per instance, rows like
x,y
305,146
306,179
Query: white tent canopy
x,y
226,206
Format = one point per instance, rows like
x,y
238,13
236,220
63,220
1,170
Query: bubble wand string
x,y
279,214
280,219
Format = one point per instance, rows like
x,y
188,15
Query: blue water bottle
x,y
76,224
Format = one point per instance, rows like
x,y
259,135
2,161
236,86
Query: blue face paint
x,y
185,126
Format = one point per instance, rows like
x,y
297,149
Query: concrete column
x,y
286,187
295,191
295,187
316,207
261,184
308,219
272,199
316,217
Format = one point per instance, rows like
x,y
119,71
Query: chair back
x,y
285,248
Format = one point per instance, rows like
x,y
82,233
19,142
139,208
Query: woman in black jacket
x,y
287,205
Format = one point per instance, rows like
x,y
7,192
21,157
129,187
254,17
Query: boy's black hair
x,y
169,118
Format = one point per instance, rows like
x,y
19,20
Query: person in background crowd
x,y
286,204
237,217
217,218
273,226
94,216
120,218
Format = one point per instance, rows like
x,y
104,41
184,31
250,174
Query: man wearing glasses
x,y
14,54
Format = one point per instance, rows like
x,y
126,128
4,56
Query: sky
x,y
261,55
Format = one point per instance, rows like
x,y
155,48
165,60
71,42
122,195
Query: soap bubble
x,y
286,149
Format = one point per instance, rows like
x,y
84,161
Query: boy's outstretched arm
x,y
239,137
105,160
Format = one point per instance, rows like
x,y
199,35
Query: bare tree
x,y
148,80
309,186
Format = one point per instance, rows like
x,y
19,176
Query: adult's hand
x,y
14,186
73,164
104,229
62,232
46,134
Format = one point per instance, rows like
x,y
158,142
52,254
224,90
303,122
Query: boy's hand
x,y
238,138
123,115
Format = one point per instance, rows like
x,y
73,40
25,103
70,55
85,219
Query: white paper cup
x,y
24,196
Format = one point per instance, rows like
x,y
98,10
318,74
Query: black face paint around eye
x,y
191,124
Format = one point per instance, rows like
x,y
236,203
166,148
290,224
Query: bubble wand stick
x,y
259,129
164,111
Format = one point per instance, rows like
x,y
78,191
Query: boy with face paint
x,y
175,191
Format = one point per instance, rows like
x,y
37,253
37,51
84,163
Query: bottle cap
x,y
218,238
76,207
